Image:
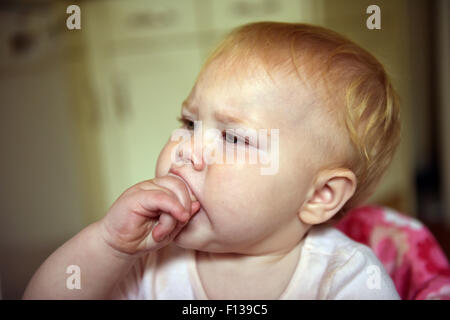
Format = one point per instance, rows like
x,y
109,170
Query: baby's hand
x,y
129,226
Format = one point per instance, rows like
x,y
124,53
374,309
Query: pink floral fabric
x,y
407,249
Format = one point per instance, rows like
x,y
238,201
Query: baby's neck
x,y
241,276
262,260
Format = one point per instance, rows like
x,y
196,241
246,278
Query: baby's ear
x,y
328,195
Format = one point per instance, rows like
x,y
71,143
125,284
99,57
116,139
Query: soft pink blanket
x,y
407,249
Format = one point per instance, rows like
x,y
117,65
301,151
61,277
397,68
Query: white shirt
x,y
331,266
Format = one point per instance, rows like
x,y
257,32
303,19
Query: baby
x,y
210,229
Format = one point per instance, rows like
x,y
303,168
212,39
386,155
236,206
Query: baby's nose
x,y
192,153
197,159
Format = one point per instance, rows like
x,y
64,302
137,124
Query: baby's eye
x,y
231,138
186,123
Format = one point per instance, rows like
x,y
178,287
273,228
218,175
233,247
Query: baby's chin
x,y
201,242
197,237
200,235
192,244
191,238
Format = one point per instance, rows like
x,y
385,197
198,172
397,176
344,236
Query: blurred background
x,y
84,113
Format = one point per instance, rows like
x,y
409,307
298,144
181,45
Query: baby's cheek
x,y
246,188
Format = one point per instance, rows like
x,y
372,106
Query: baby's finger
x,y
164,227
179,226
177,186
154,201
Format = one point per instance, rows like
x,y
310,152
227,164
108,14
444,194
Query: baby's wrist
x,y
107,245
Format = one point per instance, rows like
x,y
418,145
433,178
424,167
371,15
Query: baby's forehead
x,y
254,89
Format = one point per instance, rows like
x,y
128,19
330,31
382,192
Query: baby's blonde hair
x,y
354,81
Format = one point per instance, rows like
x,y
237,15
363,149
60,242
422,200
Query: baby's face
x,y
243,210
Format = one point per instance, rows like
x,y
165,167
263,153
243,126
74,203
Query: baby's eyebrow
x,y
229,118
224,116
189,107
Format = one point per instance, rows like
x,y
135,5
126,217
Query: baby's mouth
x,y
191,194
